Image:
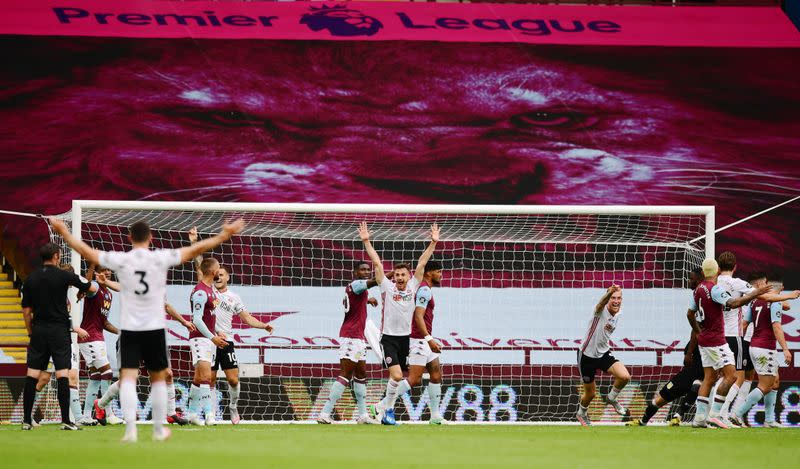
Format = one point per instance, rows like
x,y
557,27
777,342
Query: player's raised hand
x,y
101,278
193,235
796,294
435,232
373,302
58,225
234,227
363,231
269,328
614,288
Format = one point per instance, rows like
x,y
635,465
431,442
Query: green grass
x,y
259,446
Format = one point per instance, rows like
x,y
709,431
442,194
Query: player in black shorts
x,y
685,383
44,308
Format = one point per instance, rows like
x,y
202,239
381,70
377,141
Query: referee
x,y
44,307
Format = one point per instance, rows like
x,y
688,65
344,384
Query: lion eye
x,y
565,120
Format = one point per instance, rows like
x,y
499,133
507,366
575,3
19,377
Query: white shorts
x,y
351,349
420,353
765,361
73,356
202,350
94,354
717,357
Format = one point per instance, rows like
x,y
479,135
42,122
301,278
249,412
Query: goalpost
x,y
519,287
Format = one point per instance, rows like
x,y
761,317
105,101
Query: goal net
x,y
520,284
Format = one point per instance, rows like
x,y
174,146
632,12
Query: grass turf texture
x,y
405,446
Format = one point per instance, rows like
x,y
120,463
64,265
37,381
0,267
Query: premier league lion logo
x,y
341,21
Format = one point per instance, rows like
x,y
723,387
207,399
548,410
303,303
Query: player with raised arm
x,y
707,319
230,305
767,329
398,310
353,345
424,350
142,275
100,405
595,354
204,342
96,307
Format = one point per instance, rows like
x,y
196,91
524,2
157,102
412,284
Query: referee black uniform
x,y
44,294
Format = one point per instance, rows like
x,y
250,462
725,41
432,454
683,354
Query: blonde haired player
x,y
595,354
706,317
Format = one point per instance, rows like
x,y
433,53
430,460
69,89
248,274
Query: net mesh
x,y
514,304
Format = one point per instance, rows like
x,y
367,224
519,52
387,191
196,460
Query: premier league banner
x,y
364,21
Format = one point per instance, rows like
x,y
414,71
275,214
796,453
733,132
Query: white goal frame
x,y
707,212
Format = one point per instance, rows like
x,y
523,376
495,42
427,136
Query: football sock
x,y
391,392
64,399
171,398
212,404
752,399
402,388
91,394
233,394
769,406
612,395
337,389
204,402
128,402
193,405
741,396
582,409
105,382
732,393
716,406
111,393
650,411
360,391
435,395
29,395
702,409
75,402
158,398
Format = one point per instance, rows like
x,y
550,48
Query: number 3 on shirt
x,y
146,289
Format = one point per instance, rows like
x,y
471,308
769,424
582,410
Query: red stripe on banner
x,y
539,24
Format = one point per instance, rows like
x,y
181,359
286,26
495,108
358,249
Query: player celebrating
x,y
353,346
398,309
143,278
766,319
595,354
230,305
706,317
424,350
96,307
203,343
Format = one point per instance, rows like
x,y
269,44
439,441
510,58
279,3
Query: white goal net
x,y
520,284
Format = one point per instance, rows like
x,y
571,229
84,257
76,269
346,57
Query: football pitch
x,y
404,446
